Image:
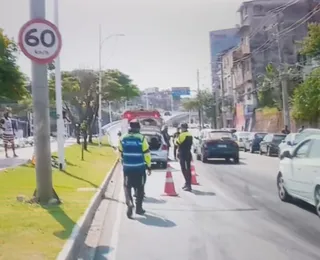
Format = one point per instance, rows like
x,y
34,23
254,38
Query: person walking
x,y
8,133
175,147
184,143
166,137
136,159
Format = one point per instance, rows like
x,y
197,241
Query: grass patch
x,y
33,232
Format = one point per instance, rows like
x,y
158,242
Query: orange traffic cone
x,y
193,177
169,189
193,169
33,160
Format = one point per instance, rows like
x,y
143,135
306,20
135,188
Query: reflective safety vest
x,y
132,154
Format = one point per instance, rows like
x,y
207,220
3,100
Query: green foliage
x,y
270,89
80,90
311,44
12,81
306,99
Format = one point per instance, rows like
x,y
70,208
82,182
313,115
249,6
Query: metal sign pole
x,y
40,98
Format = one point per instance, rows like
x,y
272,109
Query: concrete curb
x,y
73,244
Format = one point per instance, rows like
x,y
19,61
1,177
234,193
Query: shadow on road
x,y
224,162
63,219
203,193
81,179
97,253
153,200
156,221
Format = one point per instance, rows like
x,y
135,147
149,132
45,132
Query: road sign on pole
x,y
40,40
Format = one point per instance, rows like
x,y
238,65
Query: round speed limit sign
x,y
40,41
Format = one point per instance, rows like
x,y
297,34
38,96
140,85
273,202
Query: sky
x,y
165,41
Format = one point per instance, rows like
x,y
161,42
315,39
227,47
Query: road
x,y
25,154
234,214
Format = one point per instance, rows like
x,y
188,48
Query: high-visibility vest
x,y
132,154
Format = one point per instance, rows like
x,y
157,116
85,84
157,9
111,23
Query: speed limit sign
x,y
40,41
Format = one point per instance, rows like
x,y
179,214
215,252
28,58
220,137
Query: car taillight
x,y
164,147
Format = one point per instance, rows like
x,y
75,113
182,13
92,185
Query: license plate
x,y
154,154
222,145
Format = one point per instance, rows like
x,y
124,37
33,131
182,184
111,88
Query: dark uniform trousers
x,y
185,163
135,181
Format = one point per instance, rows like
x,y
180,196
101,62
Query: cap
x,y
184,126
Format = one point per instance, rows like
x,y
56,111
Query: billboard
x,y
177,92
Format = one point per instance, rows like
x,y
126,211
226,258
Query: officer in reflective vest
x,y
136,159
184,143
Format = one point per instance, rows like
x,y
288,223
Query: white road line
x,y
112,255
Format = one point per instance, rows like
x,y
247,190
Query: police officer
x,y
136,159
184,143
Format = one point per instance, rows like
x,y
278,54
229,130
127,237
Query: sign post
x,y
40,41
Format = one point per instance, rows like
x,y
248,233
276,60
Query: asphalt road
x,y
234,214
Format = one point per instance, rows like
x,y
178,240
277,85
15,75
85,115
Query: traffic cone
x,y
193,177
169,189
193,169
33,160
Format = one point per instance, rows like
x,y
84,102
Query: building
x,y
261,22
220,41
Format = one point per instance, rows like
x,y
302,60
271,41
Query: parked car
x,y
299,172
217,144
252,144
270,144
157,146
299,137
287,142
241,137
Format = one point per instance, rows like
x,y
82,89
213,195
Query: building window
x,y
258,10
249,93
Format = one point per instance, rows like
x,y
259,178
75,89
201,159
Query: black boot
x,y
140,211
130,207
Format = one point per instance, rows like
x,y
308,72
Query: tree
x,y
81,93
306,99
311,44
270,86
12,80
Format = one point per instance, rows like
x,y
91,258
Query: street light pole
x,y
110,112
60,120
101,42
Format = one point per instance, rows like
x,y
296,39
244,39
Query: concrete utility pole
x,y
100,89
40,99
283,75
223,117
60,120
200,105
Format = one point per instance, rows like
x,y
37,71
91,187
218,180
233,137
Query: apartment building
x,y
258,32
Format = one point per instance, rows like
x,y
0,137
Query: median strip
x,y
29,231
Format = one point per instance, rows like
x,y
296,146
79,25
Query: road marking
x,y
112,255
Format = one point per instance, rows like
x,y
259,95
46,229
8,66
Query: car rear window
x,y
260,135
220,135
300,136
278,138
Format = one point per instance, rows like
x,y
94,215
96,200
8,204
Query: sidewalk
x,y
25,154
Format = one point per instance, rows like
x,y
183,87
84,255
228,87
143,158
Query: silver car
x,y
241,137
157,146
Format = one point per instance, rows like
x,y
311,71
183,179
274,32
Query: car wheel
x,y
268,151
203,158
236,160
317,200
283,194
244,149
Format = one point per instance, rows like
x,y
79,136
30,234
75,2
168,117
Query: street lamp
x,y
101,42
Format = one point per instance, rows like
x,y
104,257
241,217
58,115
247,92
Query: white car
x,y
299,172
158,148
241,137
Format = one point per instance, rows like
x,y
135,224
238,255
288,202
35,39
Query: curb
x,y
74,242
